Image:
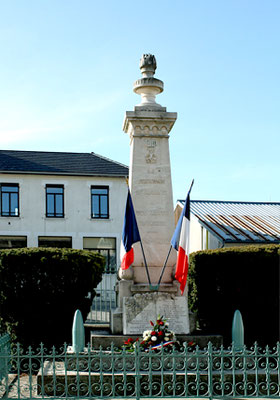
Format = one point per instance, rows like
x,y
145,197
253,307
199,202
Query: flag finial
x,y
191,186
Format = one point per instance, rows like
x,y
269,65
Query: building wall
x,y
195,235
200,237
77,223
243,244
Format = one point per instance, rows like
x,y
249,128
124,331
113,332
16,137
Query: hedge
x,y
245,278
40,289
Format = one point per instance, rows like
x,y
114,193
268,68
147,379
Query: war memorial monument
x,y
141,297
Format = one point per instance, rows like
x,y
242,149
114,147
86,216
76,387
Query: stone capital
x,y
146,123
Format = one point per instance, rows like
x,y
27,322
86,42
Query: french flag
x,y
180,242
130,234
159,346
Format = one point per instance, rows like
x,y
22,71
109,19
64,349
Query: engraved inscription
x,y
151,157
151,181
140,309
151,143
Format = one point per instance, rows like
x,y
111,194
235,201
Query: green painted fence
x,y
116,373
4,355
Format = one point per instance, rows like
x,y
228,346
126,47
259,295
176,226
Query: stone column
x,y
148,127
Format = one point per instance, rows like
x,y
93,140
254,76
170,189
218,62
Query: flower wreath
x,y
156,338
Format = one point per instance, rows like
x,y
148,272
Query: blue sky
x,y
67,70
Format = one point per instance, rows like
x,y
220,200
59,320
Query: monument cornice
x,y
146,123
149,135
151,114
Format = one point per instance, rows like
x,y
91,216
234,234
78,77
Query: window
x,y
9,200
55,201
8,242
55,241
99,202
106,247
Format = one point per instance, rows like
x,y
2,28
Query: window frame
x,y
13,239
99,216
1,200
110,266
57,239
55,214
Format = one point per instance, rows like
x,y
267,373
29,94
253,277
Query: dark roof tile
x,y
59,163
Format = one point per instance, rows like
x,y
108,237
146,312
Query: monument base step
x,y
93,328
98,339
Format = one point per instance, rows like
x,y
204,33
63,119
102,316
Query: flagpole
x,y
142,248
164,266
145,262
191,186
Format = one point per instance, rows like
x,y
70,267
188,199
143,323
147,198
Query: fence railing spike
x,y
78,333
237,330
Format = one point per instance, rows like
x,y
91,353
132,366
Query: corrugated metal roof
x,y
239,221
46,162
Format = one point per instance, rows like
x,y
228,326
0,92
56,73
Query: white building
x,y
56,199
216,224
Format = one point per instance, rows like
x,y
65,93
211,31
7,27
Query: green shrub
x,y
40,289
245,278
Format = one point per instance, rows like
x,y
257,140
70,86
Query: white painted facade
x,y
77,222
201,238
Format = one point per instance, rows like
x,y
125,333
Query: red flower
x,y
151,322
128,341
161,323
160,333
153,333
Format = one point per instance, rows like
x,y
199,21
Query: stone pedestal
x,y
140,309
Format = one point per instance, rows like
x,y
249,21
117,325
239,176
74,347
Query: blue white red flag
x,y
130,234
180,242
159,346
